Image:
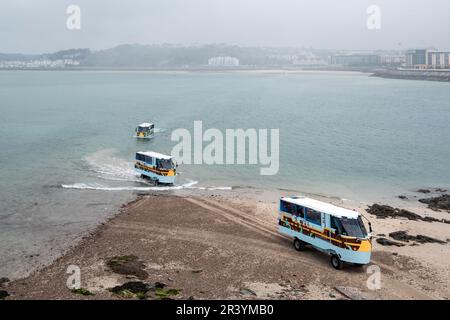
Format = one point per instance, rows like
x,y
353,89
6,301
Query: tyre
x,y
336,262
299,245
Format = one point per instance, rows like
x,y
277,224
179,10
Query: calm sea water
x,y
66,146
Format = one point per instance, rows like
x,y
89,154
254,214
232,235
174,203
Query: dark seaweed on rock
x,y
438,203
431,219
3,281
385,211
142,290
405,237
132,286
82,291
387,242
128,265
3,294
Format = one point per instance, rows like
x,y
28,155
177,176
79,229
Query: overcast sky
x,y
36,26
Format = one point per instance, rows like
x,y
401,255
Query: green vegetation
x,y
3,294
132,289
140,290
119,260
82,291
162,293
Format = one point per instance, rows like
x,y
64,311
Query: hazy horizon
x,y
39,26
191,45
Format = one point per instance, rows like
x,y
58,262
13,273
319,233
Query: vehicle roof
x,y
323,207
155,155
145,124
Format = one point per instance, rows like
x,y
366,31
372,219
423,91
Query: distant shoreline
x,y
421,75
187,70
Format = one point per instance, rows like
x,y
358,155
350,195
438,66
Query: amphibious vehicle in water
x,y
145,131
156,167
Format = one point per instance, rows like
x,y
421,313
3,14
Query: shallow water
x,y
66,158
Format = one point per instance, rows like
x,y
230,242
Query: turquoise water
x,y
66,146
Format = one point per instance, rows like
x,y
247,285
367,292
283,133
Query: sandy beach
x,y
225,245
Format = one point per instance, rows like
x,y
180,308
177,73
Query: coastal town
x,y
418,64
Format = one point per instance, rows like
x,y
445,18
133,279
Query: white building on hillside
x,y
223,62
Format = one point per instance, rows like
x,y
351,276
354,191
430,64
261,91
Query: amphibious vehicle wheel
x,y
336,262
299,245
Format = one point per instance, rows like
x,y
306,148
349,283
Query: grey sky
x,y
34,26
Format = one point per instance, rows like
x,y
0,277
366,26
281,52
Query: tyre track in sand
x,y
259,226
401,289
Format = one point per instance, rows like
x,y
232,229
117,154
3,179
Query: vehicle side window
x,y
287,207
299,211
313,216
336,224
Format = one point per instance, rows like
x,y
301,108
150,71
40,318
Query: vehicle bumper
x,y
156,177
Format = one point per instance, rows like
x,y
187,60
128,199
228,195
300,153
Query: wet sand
x,y
225,245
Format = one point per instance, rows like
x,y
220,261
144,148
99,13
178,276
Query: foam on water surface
x,y
108,166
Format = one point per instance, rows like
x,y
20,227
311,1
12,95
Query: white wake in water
x,y
98,186
107,166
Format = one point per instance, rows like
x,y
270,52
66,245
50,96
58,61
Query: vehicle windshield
x,y
143,129
165,164
350,227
